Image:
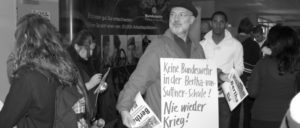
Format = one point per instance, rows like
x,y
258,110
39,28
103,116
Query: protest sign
x,y
142,114
234,91
189,95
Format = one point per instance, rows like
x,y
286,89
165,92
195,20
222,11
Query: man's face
x,y
258,37
180,20
218,24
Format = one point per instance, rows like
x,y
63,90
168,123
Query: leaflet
x,y
142,114
234,91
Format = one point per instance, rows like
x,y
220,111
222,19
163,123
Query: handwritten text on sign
x,y
189,93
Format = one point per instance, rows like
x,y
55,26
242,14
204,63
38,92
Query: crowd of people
x,y
54,87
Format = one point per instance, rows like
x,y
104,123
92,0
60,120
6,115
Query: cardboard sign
x,y
189,94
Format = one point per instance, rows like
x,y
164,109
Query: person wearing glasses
x,y
227,52
174,43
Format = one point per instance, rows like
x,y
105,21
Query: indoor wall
x,y
7,28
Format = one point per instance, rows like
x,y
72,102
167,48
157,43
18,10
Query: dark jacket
x,y
272,92
251,56
66,97
30,102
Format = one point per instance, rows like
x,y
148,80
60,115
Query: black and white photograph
x,y
193,63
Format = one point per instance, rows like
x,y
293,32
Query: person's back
x,y
36,68
273,80
30,102
275,91
31,93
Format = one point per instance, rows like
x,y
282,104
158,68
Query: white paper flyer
x,y
142,114
235,91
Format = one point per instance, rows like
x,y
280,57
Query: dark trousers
x,y
224,113
248,103
235,114
235,117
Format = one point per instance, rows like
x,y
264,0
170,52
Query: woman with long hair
x,y
274,80
36,68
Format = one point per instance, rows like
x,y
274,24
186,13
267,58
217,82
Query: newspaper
x,y
234,91
142,114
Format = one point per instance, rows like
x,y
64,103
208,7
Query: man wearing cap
x,y
174,43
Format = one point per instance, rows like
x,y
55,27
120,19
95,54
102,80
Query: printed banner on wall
x,y
189,95
127,17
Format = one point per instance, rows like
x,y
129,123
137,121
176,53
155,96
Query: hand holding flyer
x,y
102,85
142,114
234,91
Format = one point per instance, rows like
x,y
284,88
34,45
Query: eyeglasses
x,y
179,15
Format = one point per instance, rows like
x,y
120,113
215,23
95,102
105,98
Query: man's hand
x,y
225,77
100,123
127,119
222,77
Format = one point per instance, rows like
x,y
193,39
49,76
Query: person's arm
x,y
253,83
145,72
94,81
17,101
239,59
